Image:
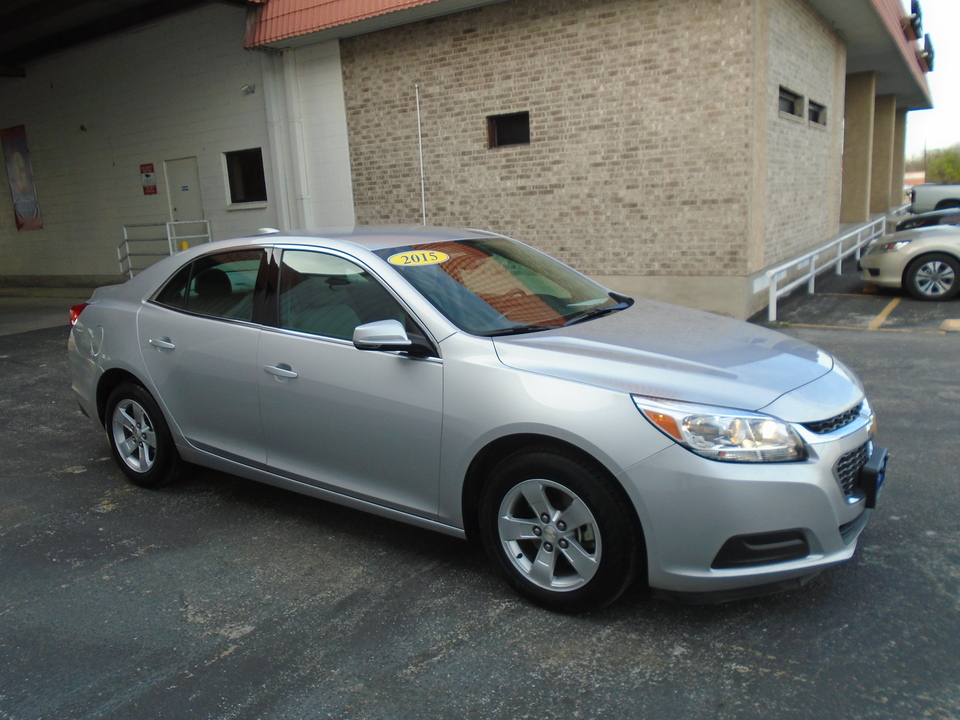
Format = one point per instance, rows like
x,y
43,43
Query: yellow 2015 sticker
x,y
412,258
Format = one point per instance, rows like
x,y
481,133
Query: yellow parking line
x,y
882,317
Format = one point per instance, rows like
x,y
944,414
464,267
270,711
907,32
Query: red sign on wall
x,y
148,179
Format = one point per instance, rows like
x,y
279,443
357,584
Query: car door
x,y
365,423
199,344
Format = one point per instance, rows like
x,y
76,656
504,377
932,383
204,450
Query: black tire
x,y
933,277
558,531
139,438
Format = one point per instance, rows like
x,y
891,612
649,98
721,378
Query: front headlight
x,y
885,246
722,433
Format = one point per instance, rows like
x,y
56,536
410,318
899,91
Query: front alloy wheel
x,y
559,530
549,535
933,277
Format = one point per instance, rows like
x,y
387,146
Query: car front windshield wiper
x,y
595,313
517,330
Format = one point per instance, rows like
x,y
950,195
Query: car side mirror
x,y
387,335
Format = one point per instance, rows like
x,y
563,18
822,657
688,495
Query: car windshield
x,y
498,287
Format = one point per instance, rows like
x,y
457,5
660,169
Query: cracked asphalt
x,y
222,598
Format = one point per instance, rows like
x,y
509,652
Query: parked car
x,y
925,261
948,216
464,382
929,196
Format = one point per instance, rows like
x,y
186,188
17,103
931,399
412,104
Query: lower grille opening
x,y
762,549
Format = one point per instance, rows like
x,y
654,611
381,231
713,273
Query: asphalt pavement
x,y
223,598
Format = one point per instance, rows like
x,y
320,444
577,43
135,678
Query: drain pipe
x,y
423,195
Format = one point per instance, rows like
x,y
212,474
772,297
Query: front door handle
x,y
283,370
162,343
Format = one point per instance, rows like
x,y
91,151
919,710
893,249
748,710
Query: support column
x,y
899,158
881,174
857,147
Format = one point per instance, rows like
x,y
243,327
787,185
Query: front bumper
x,y
734,529
883,269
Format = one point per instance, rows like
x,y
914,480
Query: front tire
x,y
140,440
558,531
933,277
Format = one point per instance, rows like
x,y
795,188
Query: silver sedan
x,y
464,382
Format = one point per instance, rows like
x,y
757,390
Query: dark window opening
x,y
817,113
512,129
790,102
245,176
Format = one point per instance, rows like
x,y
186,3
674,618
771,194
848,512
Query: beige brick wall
x,y
803,159
657,150
640,128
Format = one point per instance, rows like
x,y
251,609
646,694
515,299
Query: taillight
x,y
75,313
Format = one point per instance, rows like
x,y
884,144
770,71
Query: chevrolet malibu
x,y
464,382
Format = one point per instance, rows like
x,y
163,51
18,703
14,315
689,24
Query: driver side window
x,y
329,296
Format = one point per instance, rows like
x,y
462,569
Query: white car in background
x,y
924,261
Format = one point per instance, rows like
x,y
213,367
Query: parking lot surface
x,y
223,598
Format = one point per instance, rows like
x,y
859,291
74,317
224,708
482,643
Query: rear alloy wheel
x,y
558,531
933,277
139,438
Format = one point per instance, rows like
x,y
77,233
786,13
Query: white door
x,y
183,189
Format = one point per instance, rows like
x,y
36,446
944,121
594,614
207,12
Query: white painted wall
x,y
95,113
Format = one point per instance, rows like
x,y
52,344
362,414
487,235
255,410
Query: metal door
x,y
183,189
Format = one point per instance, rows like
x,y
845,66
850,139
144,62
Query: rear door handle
x,y
162,343
283,371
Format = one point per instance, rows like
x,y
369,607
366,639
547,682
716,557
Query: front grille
x,y
848,467
834,423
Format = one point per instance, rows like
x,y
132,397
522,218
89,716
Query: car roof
x,y
372,237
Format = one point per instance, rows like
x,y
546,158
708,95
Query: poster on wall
x,y
16,157
148,178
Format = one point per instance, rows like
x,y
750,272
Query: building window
x,y
816,113
245,176
790,102
512,129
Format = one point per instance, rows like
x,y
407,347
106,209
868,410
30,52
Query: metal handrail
x,y
873,230
127,254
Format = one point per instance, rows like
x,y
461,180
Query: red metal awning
x,y
275,20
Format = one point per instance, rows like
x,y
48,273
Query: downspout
x,y
423,194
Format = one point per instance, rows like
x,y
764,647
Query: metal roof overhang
x,y
32,29
876,43
282,24
870,28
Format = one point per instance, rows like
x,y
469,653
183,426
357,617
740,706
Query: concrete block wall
x,y
95,113
639,160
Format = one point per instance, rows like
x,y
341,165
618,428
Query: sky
x,y
939,127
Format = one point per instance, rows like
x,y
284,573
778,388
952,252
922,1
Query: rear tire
x,y
140,440
559,531
933,277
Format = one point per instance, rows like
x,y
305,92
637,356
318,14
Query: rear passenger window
x,y
220,285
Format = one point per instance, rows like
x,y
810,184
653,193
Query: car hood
x,y
667,351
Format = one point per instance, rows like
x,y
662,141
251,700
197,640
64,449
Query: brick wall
x,y
640,120
803,159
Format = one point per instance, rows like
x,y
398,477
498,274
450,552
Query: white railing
x,y
838,249
143,241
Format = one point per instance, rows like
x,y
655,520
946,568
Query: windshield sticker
x,y
413,258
